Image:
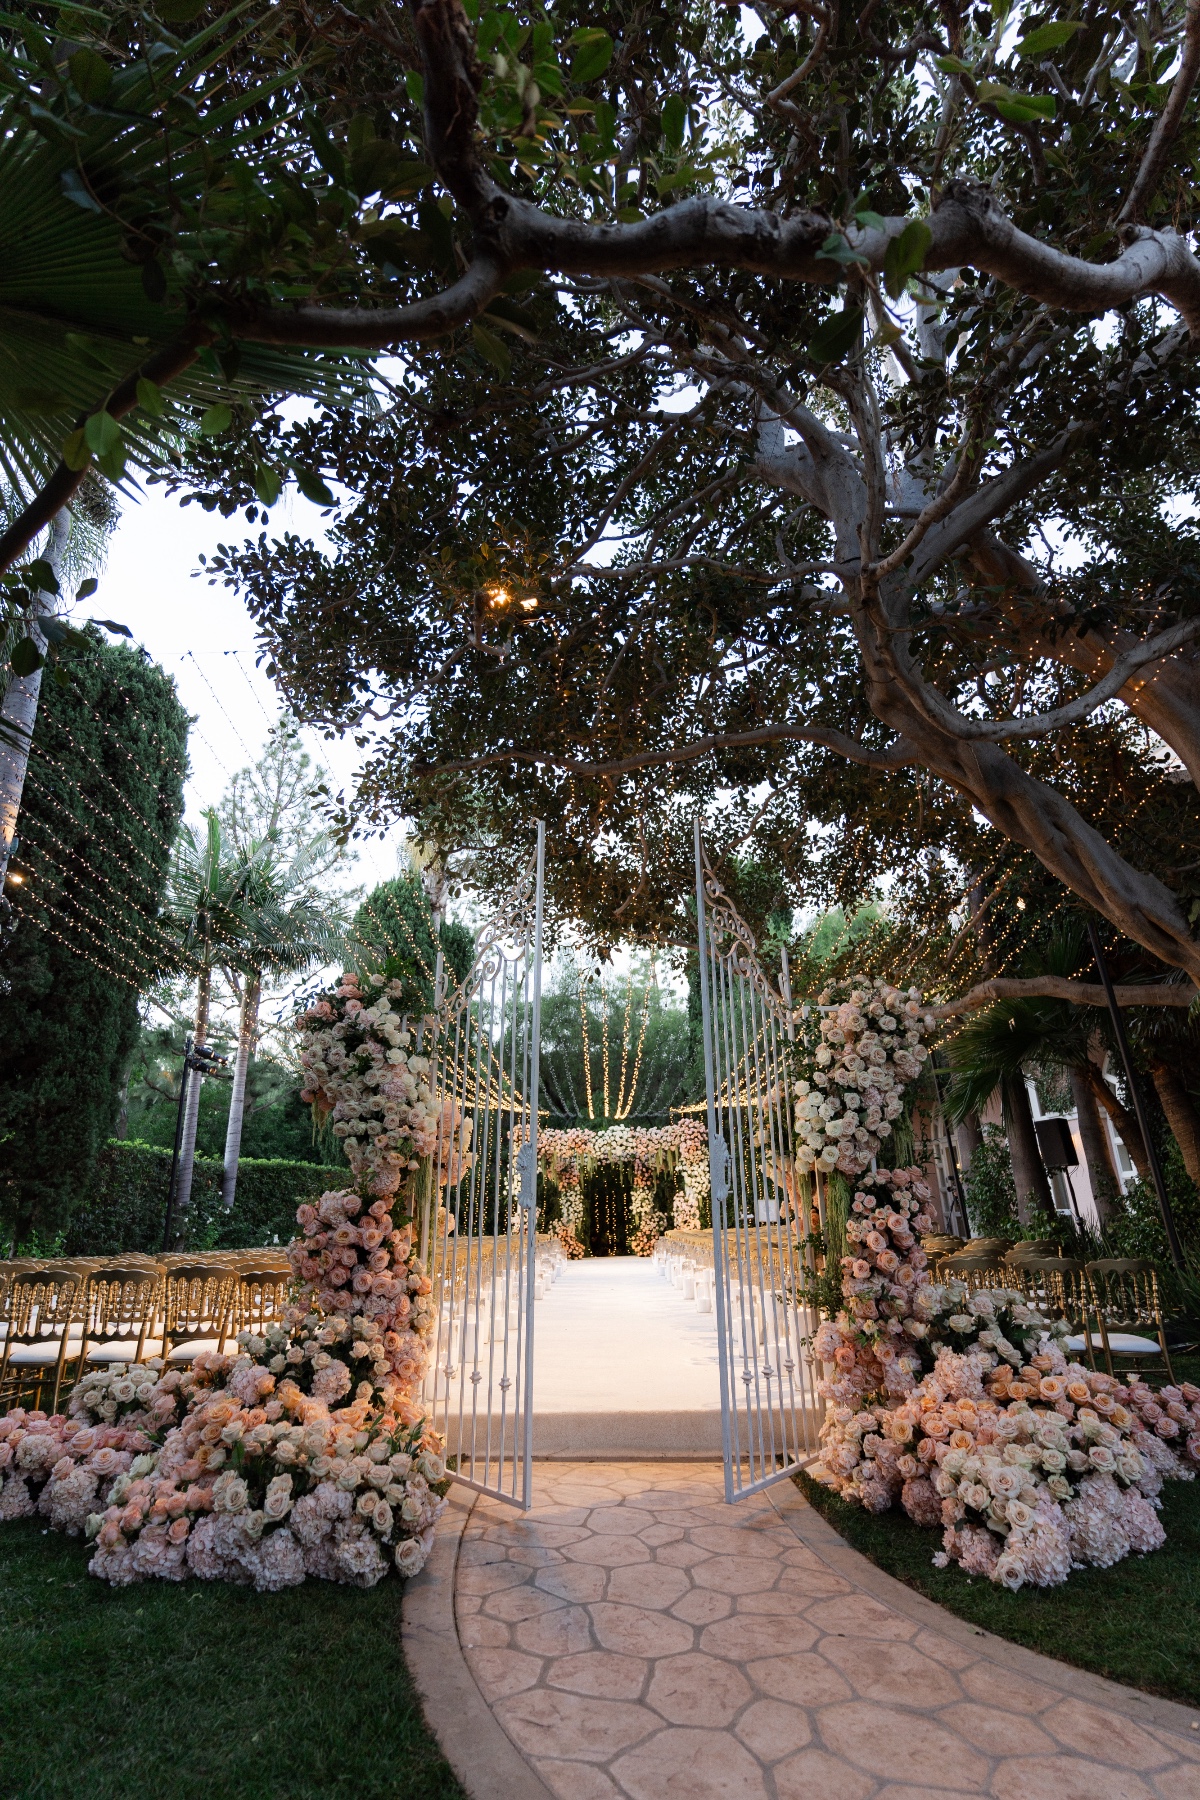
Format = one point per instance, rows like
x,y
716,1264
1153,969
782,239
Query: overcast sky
x,y
204,637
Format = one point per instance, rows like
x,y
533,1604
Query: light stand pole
x,y
1135,1094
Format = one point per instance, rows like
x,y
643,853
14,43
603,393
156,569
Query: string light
x,y
72,944
212,690
102,927
637,1061
587,1049
604,1041
52,799
151,923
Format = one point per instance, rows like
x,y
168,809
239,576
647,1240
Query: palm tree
x,y
286,927
207,913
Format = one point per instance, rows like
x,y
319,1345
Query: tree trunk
x,y
1106,1188
191,1106
1029,1174
1124,1122
1181,1113
970,1136
247,1033
19,710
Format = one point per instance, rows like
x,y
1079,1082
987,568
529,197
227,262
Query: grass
x,y
1138,1622
201,1691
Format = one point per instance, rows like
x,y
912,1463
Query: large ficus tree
x,y
830,388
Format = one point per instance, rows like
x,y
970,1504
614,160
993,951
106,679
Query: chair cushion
x,y
185,1352
125,1351
1121,1343
40,1356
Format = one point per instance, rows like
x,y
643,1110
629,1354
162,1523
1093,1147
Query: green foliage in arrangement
x,y
124,1204
102,798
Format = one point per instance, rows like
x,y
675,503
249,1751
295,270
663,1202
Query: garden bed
x,y
1137,1622
202,1689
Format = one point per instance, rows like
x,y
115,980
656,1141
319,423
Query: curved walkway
x,y
634,1638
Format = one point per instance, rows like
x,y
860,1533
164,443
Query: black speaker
x,y
1056,1143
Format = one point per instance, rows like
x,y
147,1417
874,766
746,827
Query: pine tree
x,y
102,799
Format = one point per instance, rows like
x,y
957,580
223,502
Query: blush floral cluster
x,y
861,1053
362,1072
570,1152
963,1408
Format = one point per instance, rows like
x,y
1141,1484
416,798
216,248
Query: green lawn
x,y
1138,1622
201,1691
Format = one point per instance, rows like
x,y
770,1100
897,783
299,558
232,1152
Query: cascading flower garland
x,y
964,1408
862,1052
307,1452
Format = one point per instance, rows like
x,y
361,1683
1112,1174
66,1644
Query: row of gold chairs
x,y
58,1319
1113,1304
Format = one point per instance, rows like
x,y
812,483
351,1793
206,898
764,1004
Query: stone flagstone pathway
x,y
637,1639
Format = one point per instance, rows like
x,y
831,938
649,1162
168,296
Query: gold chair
x,y
1125,1297
975,1271
260,1298
197,1305
982,1246
1027,1247
42,1334
121,1310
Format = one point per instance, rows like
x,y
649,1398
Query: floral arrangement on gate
x,y
862,1052
965,1409
307,1452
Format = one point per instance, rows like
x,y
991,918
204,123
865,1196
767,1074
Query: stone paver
x,y
638,1640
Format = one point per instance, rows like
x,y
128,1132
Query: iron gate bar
x,y
772,1430
493,1019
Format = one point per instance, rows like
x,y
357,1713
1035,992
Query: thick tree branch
x,y
1057,987
900,756
1167,125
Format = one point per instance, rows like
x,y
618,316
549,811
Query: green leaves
x,y
26,658
493,348
113,625
1050,36
312,486
178,12
267,484
149,397
77,192
674,119
1013,107
41,576
99,436
216,420
593,50
86,589
837,249
91,75
837,336
906,255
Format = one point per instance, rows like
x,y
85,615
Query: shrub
x,y
127,1200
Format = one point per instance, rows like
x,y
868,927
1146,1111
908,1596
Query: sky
x,y
204,637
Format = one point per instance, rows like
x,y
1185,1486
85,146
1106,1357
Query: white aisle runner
x,y
623,1365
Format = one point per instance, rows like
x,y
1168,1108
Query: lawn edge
x,y
484,1758
818,1535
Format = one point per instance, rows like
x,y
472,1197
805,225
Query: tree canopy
x,y
103,797
809,406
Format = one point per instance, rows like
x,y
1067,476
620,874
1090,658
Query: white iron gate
x,y
479,1235
769,1410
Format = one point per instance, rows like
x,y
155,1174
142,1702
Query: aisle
x,y
623,1364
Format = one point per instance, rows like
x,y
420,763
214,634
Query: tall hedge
x,y
125,1201
101,803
